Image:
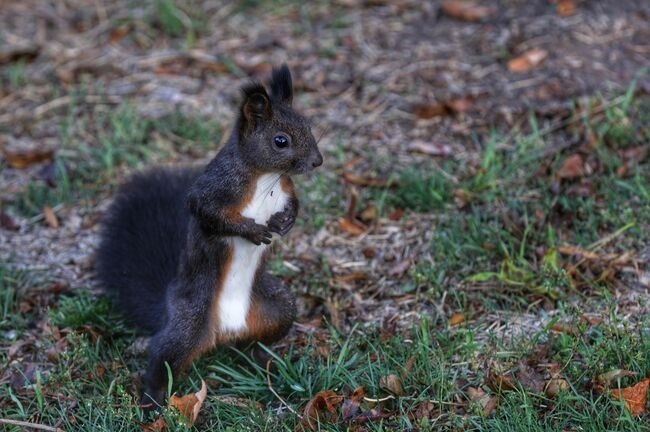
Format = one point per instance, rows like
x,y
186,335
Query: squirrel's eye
x,y
281,141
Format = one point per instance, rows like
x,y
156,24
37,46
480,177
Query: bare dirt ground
x,y
377,75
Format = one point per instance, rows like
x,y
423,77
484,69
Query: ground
x,y
486,163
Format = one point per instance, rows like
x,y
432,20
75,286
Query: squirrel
x,y
182,251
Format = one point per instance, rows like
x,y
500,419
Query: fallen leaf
x,y
485,401
158,425
631,157
425,410
527,60
428,148
456,319
462,197
499,382
554,386
367,181
461,104
606,378
466,10
392,384
368,214
10,53
20,159
190,405
572,167
352,404
565,7
50,217
321,407
351,277
635,397
7,222
566,328
118,33
396,214
399,268
352,227
426,111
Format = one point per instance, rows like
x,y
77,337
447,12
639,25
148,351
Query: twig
x,y
30,425
282,401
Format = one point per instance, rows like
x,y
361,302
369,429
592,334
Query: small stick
x,y
30,425
268,381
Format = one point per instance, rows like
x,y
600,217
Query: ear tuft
x,y
281,85
256,102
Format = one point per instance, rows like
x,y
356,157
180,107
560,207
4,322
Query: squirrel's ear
x,y
256,103
281,86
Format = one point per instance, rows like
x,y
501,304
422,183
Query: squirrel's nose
x,y
317,161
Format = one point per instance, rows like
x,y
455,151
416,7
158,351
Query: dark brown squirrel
x,y
182,250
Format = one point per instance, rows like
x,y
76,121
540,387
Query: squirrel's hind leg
x,y
272,312
177,345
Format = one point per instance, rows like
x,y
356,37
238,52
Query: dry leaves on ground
x,y
634,397
188,406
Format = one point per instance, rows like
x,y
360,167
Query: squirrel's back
x,y
144,231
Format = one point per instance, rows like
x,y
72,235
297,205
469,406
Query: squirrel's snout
x,y
317,160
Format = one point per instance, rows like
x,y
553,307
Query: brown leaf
x,y
352,227
352,404
368,214
635,397
366,181
527,60
467,10
572,167
392,384
461,104
20,159
50,217
369,252
189,405
499,382
565,7
427,111
485,401
396,214
462,197
554,386
428,148
118,33
400,267
456,319
631,157
10,53
321,407
158,425
606,378
7,222
425,410
351,277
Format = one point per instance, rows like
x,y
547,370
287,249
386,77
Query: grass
x,y
66,361
121,138
434,364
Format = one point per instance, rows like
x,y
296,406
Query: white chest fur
x,y
234,301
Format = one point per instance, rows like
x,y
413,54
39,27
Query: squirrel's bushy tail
x,y
143,233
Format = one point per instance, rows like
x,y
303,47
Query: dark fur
x,y
164,239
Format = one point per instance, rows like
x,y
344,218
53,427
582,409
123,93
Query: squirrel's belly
x,y
235,294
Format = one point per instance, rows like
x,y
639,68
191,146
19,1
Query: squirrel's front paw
x,y
281,222
258,234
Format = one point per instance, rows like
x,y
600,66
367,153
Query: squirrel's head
x,y
272,136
